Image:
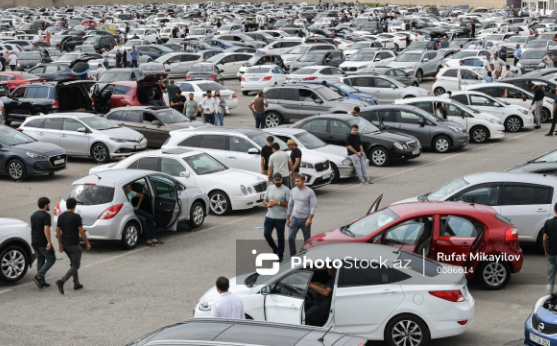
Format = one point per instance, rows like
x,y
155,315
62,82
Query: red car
x,y
15,79
129,93
472,236
89,22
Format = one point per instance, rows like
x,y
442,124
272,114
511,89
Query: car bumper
x,y
232,103
256,86
497,134
103,229
461,140
401,155
43,166
346,171
126,148
246,202
443,324
530,333
317,179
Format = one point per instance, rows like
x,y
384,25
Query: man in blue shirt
x,y
503,53
517,54
133,57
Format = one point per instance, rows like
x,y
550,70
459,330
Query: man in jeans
x,y
257,107
133,57
40,241
68,230
537,103
276,200
147,220
550,247
208,107
279,162
356,154
301,208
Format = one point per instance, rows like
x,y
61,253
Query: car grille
x,y
261,187
319,167
548,328
412,145
57,157
350,69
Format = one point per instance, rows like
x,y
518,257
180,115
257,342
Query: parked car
x,y
315,72
121,94
15,79
281,46
539,327
100,42
261,60
178,64
229,62
419,63
153,50
454,60
318,58
531,59
53,72
294,53
122,74
199,87
367,58
227,188
16,252
456,78
346,90
107,214
26,60
386,89
548,85
544,164
258,77
205,71
85,135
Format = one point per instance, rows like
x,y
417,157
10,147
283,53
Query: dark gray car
x,y
545,164
432,132
205,71
531,60
319,58
28,59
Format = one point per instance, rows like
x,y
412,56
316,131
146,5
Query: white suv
x,y
16,253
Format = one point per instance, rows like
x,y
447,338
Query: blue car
x,y
346,90
541,327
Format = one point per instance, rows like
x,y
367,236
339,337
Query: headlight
x,y
290,59
204,306
36,156
347,162
306,165
400,146
250,190
118,140
457,129
519,65
244,190
366,99
525,112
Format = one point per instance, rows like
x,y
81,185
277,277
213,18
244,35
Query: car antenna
x,y
321,339
400,248
97,176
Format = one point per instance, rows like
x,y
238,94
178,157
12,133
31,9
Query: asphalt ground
x,y
129,293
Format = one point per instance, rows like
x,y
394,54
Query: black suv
x,y
100,42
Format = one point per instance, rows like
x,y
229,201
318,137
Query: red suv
x,y
129,93
472,236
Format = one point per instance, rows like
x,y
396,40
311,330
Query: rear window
x,y
419,264
90,194
258,70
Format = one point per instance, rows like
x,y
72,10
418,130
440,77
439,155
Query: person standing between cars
x,y
472,29
497,66
444,42
178,101
266,153
487,63
68,230
257,106
2,62
220,109
503,53
301,209
147,220
355,111
276,200
517,53
550,248
548,60
172,88
2,111
357,155
133,57
279,162
296,157
13,61
105,58
208,107
554,118
191,108
40,241
537,103
119,59
227,305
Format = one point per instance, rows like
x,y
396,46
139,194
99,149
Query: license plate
x,y
326,176
539,340
59,162
253,79
138,146
416,152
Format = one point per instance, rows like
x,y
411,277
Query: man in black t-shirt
x,y
357,155
318,311
68,230
266,152
3,62
296,157
550,247
40,241
178,101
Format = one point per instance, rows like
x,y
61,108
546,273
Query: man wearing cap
x,y
296,157
276,200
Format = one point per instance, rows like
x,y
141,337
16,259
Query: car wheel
x,y
513,124
7,122
416,84
409,97
406,330
100,153
546,115
335,175
197,215
442,144
130,235
419,76
13,264
273,119
539,242
494,275
16,169
379,157
219,203
397,48
439,91
245,93
479,134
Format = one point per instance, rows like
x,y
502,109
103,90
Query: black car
x,y
48,97
545,164
28,59
4,89
205,71
154,51
99,42
381,147
217,331
318,58
67,43
548,86
21,155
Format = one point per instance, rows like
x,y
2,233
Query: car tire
x,y
442,144
513,124
479,134
13,264
419,76
197,215
335,175
493,275
379,157
539,242
100,153
416,84
546,115
219,203
273,119
130,235
397,329
438,91
397,48
245,93
16,169
409,97
7,122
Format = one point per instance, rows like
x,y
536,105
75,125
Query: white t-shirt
x,y
496,64
13,59
549,61
106,56
421,38
1,105
487,64
100,72
472,46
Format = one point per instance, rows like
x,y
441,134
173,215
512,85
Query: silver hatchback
x,y
108,215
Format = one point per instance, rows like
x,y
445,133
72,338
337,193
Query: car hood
x,y
43,148
240,176
123,133
530,62
11,222
185,124
355,63
402,64
532,167
331,149
330,237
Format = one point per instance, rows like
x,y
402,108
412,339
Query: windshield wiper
x,y
250,280
346,230
423,197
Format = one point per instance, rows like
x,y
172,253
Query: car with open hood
x,y
540,327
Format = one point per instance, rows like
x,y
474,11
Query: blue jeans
x,y
147,223
134,63
45,260
259,120
295,225
279,225
219,119
155,102
315,314
551,271
105,63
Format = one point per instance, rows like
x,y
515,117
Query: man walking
x,y
178,101
68,230
554,118
550,248
106,56
357,155
301,209
276,200
208,107
133,57
537,103
266,153
13,61
517,53
279,162
191,108
119,59
2,62
257,107
40,241
227,305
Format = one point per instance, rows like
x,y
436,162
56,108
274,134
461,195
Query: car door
x,y
175,65
153,128
430,66
243,153
366,84
134,120
448,81
20,106
338,131
457,115
214,145
318,127
285,302
527,206
487,194
73,141
310,103
455,240
227,65
279,74
286,101
388,90
468,77
486,105
413,124
168,207
337,58
50,132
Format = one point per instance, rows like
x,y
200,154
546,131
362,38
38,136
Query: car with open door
x,y
474,237
108,215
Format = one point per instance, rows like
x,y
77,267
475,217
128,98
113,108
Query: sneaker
x,y
369,181
77,287
46,284
37,281
549,134
60,285
363,182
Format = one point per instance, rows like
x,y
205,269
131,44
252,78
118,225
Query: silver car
x,y
108,215
421,63
82,134
178,64
386,89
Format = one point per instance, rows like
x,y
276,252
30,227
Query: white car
x,y
16,252
399,40
296,52
177,65
367,58
343,44
454,60
455,78
514,95
199,87
480,125
512,116
227,188
358,46
241,148
280,47
230,62
259,77
384,88
375,303
315,72
150,35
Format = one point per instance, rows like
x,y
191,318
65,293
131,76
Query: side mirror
x,y
393,86
479,77
425,60
156,122
169,62
318,101
82,129
523,97
266,290
421,121
185,174
253,151
377,59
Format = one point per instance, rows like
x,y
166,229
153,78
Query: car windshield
x,y
311,57
516,39
29,56
171,116
90,194
261,140
211,86
69,57
480,70
99,123
299,50
204,164
328,94
258,70
91,40
533,54
364,126
197,32
464,54
370,223
361,45
549,157
409,57
346,88
309,140
152,68
360,56
10,137
202,68
446,190
494,38
426,115
536,44
215,58
115,76
306,70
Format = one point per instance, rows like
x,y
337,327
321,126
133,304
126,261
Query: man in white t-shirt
x,y
420,38
497,64
487,63
12,61
472,46
106,57
100,71
548,60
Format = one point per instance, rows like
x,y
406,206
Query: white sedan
x,y
367,58
230,62
150,35
227,188
258,77
198,88
316,72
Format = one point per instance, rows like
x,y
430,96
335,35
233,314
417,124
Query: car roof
x,y
403,209
66,114
153,108
219,129
417,51
111,177
478,178
281,129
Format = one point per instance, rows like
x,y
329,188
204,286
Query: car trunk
x,y
74,96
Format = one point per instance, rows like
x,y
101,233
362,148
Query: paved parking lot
x,y
128,294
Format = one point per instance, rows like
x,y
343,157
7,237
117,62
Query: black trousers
x,y
553,123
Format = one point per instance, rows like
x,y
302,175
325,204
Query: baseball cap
x,y
277,176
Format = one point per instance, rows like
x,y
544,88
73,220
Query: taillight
x,y
462,323
402,39
288,78
111,212
55,104
57,210
310,78
188,76
268,78
212,76
349,46
435,79
19,129
234,95
73,75
454,296
242,79
203,60
511,235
